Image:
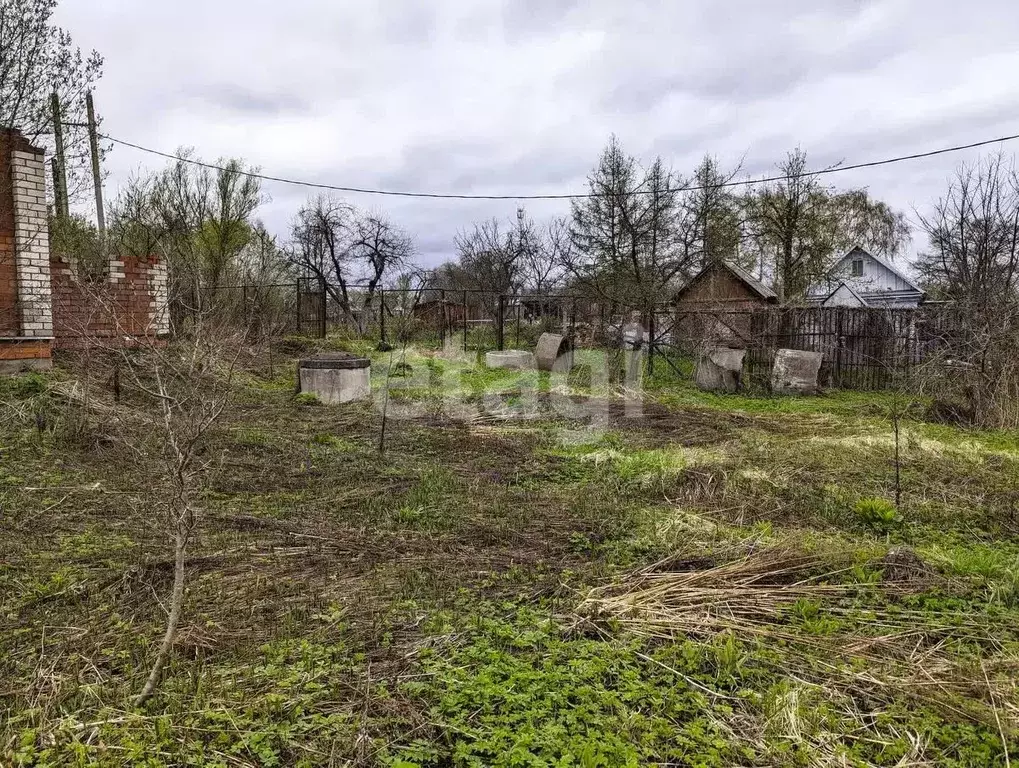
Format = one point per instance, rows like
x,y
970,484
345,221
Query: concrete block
x,y
719,369
335,378
554,353
795,372
515,359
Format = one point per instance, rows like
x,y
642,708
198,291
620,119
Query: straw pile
x,y
750,593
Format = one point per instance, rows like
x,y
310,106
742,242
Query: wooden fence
x,y
863,348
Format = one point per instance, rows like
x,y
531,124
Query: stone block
x,y
795,372
719,369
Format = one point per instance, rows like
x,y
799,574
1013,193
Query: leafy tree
x,y
801,227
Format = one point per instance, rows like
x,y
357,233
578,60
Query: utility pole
x,y
59,167
97,180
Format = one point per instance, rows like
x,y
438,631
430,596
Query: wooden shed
x,y
717,305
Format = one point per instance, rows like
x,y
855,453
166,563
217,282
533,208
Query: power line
x,y
451,196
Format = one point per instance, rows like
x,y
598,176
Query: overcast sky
x,y
520,96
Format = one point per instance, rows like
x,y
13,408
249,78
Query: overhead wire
x,y
557,196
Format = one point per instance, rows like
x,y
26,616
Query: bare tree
x,y
348,251
543,250
378,248
973,262
37,59
490,262
190,384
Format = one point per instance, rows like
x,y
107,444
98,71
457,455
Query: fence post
x,y
322,308
444,321
382,314
298,294
465,320
651,344
500,319
519,308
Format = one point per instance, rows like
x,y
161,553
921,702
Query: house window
x,y
857,267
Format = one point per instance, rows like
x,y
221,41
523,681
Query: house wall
x,y
842,297
718,286
879,286
9,316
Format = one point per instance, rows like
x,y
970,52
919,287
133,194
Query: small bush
x,y
878,514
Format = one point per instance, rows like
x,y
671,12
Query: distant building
x,y
861,279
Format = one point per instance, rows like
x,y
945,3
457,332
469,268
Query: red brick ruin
x,y
43,304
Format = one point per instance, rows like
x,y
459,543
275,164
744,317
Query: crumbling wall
x,y
130,302
43,303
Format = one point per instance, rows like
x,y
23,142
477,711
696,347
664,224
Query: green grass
x,y
421,607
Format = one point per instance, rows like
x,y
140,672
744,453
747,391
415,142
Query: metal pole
x,y
97,178
465,320
322,308
382,314
298,284
651,345
519,307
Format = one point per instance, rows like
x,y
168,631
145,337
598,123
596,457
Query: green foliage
x,y
515,692
878,514
23,386
278,710
76,240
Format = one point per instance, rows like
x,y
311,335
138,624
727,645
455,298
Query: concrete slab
x,y
795,372
719,369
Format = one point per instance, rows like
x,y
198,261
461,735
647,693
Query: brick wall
x,y
41,298
130,303
31,241
9,316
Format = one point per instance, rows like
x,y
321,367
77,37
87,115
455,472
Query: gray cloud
x,y
509,96
232,97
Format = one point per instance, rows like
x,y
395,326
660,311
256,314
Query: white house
x,y
861,279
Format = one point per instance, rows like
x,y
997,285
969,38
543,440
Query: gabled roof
x,y
859,252
854,294
755,285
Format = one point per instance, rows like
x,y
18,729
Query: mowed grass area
x,y
701,581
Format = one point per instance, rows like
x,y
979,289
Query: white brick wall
x,y
160,319
32,244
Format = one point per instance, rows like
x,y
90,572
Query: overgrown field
x,y
701,581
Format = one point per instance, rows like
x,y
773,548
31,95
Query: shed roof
x,y
755,285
